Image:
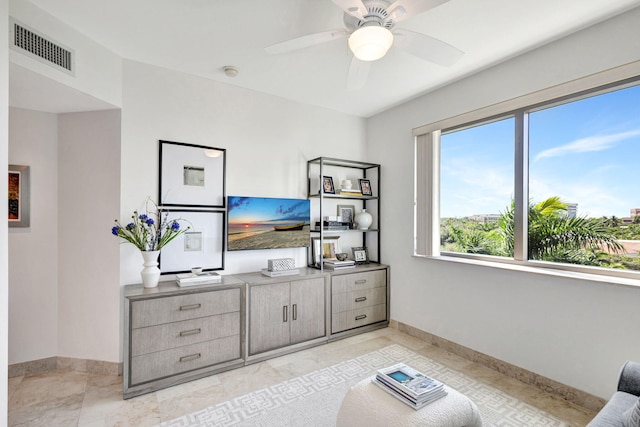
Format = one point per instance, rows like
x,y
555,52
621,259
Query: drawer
x,y
358,281
358,299
162,364
356,318
170,335
161,310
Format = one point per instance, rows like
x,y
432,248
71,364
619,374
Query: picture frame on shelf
x,y
347,212
327,185
365,187
331,245
202,245
360,255
191,175
19,196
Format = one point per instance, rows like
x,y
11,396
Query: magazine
x,y
411,382
403,398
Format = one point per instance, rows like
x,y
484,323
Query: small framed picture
x,y
360,255
347,213
327,185
326,248
365,187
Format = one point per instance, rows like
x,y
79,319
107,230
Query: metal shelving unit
x,y
340,169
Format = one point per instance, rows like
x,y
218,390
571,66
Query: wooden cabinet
x,y
359,298
174,334
285,311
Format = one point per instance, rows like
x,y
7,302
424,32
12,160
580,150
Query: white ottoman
x,y
367,405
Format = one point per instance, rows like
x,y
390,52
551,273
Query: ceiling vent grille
x,y
37,46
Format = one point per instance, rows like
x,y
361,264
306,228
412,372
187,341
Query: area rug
x,y
314,399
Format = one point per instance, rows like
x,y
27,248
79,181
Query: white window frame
x,y
427,169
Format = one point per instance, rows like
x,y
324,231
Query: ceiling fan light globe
x,y
370,43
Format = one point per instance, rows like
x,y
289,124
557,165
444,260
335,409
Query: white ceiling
x,y
200,37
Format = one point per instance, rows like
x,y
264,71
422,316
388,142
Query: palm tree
x,y
553,236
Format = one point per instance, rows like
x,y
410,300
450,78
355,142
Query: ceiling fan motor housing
x,y
376,15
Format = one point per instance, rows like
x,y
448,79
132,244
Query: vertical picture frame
x,y
365,187
191,175
327,185
19,196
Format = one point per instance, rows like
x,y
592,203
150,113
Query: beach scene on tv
x,y
267,223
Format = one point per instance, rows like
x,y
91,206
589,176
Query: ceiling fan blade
x,y
306,41
358,73
427,48
353,7
403,9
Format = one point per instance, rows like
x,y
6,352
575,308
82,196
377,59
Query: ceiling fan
x,y
370,31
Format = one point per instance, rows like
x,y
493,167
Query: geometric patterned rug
x,y
314,399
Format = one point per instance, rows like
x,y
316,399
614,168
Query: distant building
x,y
572,210
635,212
485,218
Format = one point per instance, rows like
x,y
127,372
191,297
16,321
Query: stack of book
x,y
409,386
334,264
192,279
350,192
333,225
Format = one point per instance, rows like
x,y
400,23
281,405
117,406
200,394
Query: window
x,y
553,183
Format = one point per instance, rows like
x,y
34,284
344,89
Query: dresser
x,y
174,335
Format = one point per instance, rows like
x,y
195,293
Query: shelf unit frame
x,y
367,171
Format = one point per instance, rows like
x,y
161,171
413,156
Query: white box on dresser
x,y
174,334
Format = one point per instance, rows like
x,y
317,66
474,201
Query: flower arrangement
x,y
149,231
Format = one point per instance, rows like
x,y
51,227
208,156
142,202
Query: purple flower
x,y
115,230
131,226
143,217
149,221
175,226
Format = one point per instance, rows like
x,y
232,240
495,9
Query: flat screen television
x,y
267,223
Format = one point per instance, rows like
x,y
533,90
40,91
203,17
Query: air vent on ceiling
x,y
39,47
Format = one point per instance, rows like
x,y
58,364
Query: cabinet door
x,y
269,317
307,309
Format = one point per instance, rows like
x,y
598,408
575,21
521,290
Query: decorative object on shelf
x,y
150,232
331,245
150,273
19,196
191,175
327,185
342,256
363,219
346,212
365,187
203,244
346,184
360,255
281,264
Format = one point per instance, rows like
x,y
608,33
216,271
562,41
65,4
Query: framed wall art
x,y
191,175
19,196
202,245
347,212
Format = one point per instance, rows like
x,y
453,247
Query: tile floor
x,y
68,398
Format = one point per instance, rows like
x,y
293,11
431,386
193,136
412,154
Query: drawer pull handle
x,y
362,316
295,311
361,281
190,307
191,332
190,357
361,299
285,313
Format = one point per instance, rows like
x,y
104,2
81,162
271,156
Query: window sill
x,y
533,268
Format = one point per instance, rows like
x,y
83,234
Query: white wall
x,y
577,332
88,263
33,251
268,142
4,241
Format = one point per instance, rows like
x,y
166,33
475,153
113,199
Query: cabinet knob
x,y
360,317
360,299
285,313
361,281
190,307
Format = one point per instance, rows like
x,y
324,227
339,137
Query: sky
x,y
586,152
261,210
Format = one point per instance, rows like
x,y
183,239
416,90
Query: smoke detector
x,y
230,70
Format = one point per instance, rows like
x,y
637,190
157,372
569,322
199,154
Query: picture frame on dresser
x,y
360,255
191,175
201,245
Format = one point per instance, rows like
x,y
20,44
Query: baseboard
x,y
548,385
65,364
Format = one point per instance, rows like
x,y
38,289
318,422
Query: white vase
x,y
363,219
150,273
